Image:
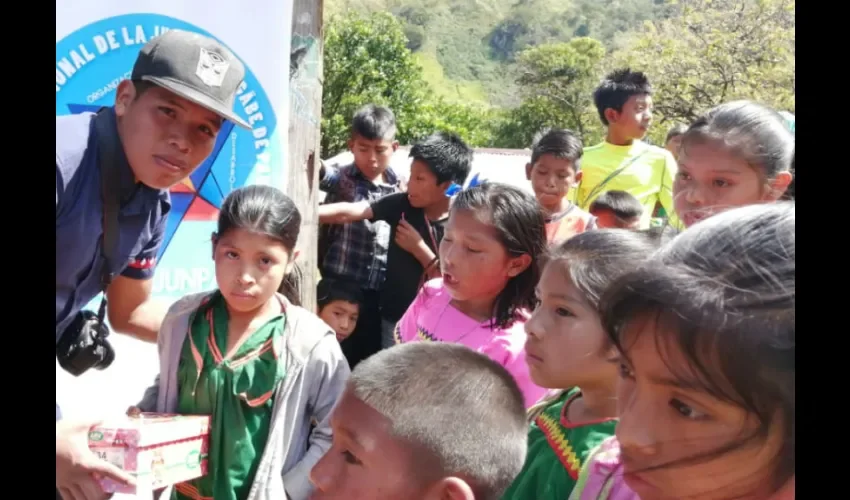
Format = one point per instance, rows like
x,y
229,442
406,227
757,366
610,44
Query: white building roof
x,y
496,165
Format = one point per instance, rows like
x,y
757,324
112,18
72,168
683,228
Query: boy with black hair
x,y
617,209
338,304
417,218
424,421
357,252
555,167
674,139
623,161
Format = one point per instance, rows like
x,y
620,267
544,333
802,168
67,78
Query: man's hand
x,y
77,467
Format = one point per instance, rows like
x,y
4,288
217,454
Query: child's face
x,y
422,188
365,461
566,345
249,268
341,316
474,263
606,219
165,136
372,157
673,145
711,179
551,179
665,419
633,121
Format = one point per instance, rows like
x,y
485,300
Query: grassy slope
x,y
457,56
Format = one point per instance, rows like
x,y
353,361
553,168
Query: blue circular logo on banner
x,y
92,61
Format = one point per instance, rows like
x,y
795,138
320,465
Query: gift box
x,y
157,449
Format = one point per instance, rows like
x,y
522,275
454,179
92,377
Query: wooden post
x,y
305,114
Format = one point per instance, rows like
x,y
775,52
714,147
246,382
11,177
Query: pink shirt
x,y
601,477
432,318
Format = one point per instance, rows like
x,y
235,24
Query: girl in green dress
x,y
267,371
567,350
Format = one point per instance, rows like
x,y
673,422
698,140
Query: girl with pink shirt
x,y
705,333
490,262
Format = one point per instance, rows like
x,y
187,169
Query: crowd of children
x,y
484,343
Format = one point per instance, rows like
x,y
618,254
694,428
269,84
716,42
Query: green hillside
x,y
467,47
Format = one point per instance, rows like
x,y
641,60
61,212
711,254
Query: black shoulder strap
x,y
107,161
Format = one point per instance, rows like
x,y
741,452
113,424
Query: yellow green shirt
x,y
648,176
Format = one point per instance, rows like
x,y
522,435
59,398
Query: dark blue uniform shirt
x,y
79,217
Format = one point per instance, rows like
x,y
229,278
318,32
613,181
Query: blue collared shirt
x,y
142,217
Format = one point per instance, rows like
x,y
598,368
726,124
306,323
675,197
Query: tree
x,y
475,124
366,60
715,51
557,82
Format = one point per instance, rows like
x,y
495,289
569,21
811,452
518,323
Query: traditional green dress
x,y
557,448
237,392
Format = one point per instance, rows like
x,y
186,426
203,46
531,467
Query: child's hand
x,y
133,411
407,237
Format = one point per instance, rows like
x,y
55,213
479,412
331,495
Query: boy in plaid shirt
x,y
357,252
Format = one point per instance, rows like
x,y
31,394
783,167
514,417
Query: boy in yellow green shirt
x,y
623,161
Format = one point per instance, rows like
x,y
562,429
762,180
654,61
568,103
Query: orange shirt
x,y
564,225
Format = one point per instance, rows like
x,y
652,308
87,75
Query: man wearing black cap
x,y
162,127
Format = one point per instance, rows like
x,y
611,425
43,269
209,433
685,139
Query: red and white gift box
x,y
157,449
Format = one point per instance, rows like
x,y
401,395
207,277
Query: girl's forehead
x,y
711,155
246,238
555,282
651,348
472,224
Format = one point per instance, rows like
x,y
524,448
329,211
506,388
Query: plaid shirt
x,y
356,251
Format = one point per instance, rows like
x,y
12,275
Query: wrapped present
x,y
157,449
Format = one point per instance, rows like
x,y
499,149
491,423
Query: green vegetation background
x,y
498,71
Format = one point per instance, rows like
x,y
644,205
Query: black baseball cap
x,y
196,68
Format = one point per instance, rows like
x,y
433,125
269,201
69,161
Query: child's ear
x,y
124,96
518,264
578,179
779,185
292,259
528,167
444,186
611,115
450,488
395,146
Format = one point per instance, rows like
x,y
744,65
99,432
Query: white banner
x,y
96,44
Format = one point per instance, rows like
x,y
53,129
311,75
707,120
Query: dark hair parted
x,y
446,155
266,210
751,131
617,88
621,203
675,131
521,229
723,295
373,122
464,409
330,290
595,259
560,143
